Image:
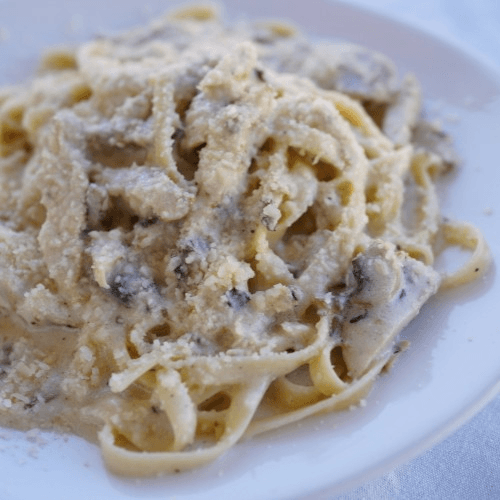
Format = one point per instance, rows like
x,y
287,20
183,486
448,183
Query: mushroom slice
x,y
390,289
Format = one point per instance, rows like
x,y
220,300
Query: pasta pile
x,y
209,232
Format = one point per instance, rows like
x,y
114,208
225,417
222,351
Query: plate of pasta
x,y
244,249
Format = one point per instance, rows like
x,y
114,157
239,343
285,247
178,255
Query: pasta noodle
x,y
209,232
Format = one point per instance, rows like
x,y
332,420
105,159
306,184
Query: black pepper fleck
x,y
149,222
359,318
181,271
260,74
237,298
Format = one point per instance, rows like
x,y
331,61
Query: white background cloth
x,y
466,465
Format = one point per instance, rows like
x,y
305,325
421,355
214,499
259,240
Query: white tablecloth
x,y
466,465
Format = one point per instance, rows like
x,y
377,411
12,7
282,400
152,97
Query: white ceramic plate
x,y
452,368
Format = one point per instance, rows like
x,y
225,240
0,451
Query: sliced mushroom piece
x,y
390,289
429,137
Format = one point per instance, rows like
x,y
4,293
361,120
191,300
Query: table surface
x,y
467,464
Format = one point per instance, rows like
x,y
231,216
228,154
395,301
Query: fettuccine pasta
x,y
209,232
